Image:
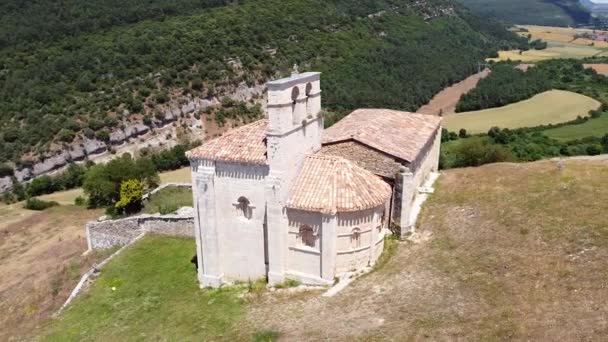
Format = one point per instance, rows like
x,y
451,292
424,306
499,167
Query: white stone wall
x,y
304,259
241,239
368,223
412,179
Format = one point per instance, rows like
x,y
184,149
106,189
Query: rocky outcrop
x,y
5,184
118,137
50,164
121,137
94,146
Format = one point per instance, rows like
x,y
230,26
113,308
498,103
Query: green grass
x,y
592,128
555,106
168,201
150,292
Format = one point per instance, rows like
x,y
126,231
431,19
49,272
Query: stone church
x,y
284,198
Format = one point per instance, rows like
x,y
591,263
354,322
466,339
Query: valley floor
x,y
503,251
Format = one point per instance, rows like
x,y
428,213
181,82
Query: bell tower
x,y
295,129
294,125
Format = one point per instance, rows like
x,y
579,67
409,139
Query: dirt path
x,y
446,100
40,262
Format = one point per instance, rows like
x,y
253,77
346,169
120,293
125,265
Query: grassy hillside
x,y
498,255
591,128
90,80
534,12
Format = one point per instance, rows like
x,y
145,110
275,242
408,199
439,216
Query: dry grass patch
x,y
517,251
182,175
40,262
555,106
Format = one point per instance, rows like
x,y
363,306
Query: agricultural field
x,y
446,100
529,271
592,128
600,68
562,43
551,107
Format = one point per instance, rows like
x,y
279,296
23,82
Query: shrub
x,y
79,201
476,152
462,133
9,198
131,193
34,203
42,185
102,182
66,135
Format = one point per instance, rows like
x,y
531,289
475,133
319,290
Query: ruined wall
x,y
109,233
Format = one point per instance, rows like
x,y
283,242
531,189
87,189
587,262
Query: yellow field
x,y
555,106
561,44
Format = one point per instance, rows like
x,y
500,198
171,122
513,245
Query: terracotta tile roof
x,y
331,184
400,134
244,144
378,163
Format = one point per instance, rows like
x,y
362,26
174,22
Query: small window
x,y
355,238
308,90
379,228
244,208
295,92
307,236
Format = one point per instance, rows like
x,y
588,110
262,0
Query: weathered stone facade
x,y
246,223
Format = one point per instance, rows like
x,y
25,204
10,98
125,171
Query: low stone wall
x,y
109,233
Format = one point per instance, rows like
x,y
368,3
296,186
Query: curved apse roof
x,y
331,184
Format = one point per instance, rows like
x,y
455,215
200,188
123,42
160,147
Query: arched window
x,y
308,91
244,207
295,92
307,236
355,238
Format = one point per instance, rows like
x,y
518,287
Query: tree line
x,y
508,84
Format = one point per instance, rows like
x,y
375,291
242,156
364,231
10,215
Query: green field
x,y
550,107
168,201
538,12
150,292
592,128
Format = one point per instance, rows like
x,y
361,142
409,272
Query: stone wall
x,y
109,233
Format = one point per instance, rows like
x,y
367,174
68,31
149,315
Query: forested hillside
x,y
70,69
508,84
532,12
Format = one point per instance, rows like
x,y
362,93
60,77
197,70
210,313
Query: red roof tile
x,y
400,134
331,184
244,144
